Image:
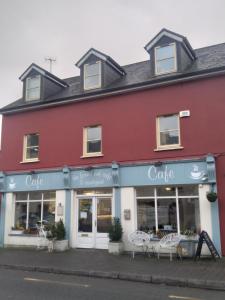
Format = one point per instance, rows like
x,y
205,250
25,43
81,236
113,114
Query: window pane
x,y
146,214
167,214
188,190
33,94
35,196
50,195
32,153
145,191
85,215
49,212
189,214
92,69
93,81
21,196
169,137
94,192
93,133
94,146
20,215
34,214
166,191
165,52
32,140
33,82
166,65
104,214
168,122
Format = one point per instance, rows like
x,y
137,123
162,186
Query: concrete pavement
x,y
205,273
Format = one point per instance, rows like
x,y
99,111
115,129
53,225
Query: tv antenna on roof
x,y
51,60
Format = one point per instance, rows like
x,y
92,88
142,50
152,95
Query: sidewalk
x,y
205,273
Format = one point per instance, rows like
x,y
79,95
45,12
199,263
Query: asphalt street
x,y
20,285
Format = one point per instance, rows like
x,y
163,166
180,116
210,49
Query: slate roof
x,y
208,59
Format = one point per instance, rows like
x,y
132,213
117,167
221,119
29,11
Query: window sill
x,y
92,155
29,161
169,148
22,234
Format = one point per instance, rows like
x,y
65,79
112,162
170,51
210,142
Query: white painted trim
x,y
170,35
99,74
157,38
169,146
88,54
85,140
25,159
30,69
174,56
38,87
104,58
43,73
58,82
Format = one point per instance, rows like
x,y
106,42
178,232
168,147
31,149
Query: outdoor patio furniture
x,y
42,240
169,242
140,239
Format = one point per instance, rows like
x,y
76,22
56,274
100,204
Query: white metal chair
x,y
139,239
169,242
42,240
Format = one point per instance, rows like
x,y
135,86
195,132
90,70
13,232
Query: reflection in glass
x,y
145,191
167,214
189,214
49,211
85,215
146,214
34,214
20,215
166,191
104,214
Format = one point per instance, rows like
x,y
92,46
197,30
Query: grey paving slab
x,y
98,263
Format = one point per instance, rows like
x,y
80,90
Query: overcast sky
x,y
65,29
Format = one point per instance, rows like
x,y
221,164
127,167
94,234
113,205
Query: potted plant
x,y
56,236
115,236
211,196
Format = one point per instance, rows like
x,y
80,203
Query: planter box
x,y
61,246
115,248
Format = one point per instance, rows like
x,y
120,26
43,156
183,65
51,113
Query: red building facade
x,y
128,120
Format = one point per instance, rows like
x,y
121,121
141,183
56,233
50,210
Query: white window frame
x,y
85,142
28,201
176,197
25,159
99,73
174,56
168,146
27,89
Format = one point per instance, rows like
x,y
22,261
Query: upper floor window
x,y
92,145
33,87
165,59
92,75
31,147
168,131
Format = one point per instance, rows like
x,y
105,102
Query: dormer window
x,y
92,75
165,59
33,88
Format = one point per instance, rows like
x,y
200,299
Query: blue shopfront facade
x,y
119,178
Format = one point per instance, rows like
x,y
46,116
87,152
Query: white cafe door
x,y
94,218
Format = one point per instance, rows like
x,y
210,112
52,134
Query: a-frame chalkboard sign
x,y
204,237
